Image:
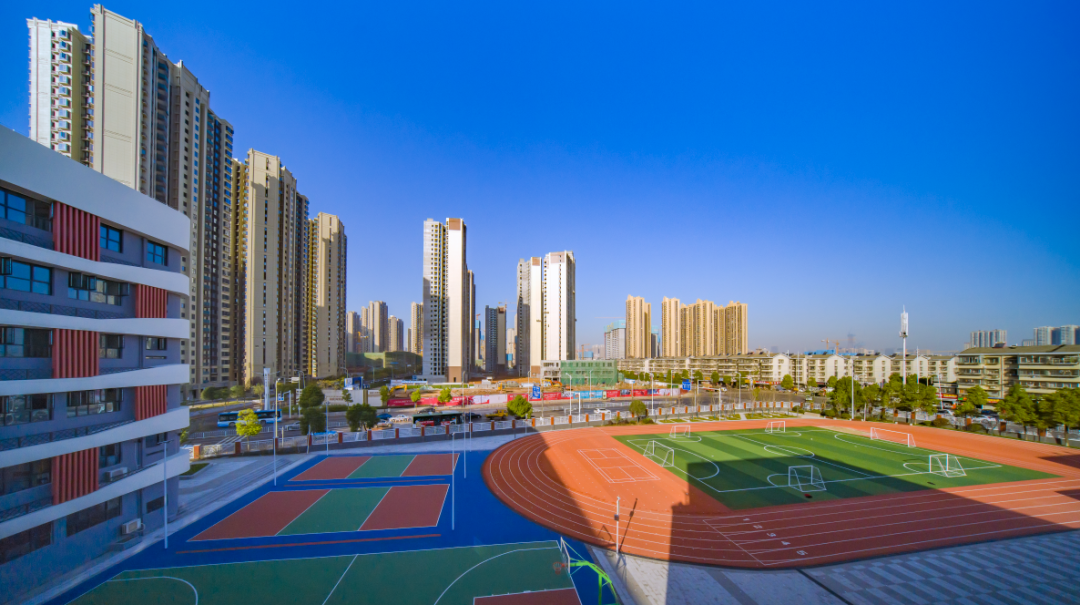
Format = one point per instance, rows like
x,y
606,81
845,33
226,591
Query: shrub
x,y
337,407
940,423
829,413
311,396
975,427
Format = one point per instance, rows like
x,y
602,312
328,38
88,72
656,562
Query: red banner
x,y
399,403
614,393
640,392
553,396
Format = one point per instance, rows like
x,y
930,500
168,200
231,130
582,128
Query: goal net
x,y
893,436
680,430
946,465
660,453
805,478
776,426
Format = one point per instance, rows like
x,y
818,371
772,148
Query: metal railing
x,y
24,509
118,261
26,238
53,436
51,309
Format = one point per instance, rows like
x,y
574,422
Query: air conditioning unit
x,y
116,473
131,527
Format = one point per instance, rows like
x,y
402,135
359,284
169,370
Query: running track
x,y
546,479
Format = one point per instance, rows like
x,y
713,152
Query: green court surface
x,y
338,510
382,466
452,576
750,468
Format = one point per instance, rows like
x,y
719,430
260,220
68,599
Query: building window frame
x,y
26,409
111,346
93,516
156,253
21,477
25,342
112,239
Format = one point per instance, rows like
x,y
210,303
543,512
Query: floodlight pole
x,y
617,498
165,488
266,405
453,473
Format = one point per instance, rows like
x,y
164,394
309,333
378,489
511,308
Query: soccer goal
x,y
805,478
894,436
679,430
776,426
660,453
946,465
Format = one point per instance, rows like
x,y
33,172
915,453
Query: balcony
x,y
37,307
41,241
25,509
53,436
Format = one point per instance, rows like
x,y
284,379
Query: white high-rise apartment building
x,y
116,103
638,328
446,300
379,315
325,323
416,322
352,332
396,341
559,306
987,338
528,350
669,326
1043,336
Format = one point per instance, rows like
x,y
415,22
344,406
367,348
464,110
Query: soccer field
x,y
751,468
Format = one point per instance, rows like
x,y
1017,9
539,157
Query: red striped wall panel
x,y
150,401
150,301
74,475
75,353
76,232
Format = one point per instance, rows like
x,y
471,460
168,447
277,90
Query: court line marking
x,y
296,517
342,577
619,454
464,573
195,538
316,465
289,544
514,594
158,578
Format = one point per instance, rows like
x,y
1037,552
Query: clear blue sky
x,y
825,163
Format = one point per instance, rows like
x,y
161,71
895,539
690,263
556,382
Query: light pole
x,y
571,376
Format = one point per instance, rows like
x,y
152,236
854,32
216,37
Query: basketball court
x,y
380,467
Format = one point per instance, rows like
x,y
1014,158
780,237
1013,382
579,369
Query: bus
x,y
227,419
437,418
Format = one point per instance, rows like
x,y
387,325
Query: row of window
x,y
24,277
37,342
26,211
26,409
26,542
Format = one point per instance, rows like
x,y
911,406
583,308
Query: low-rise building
x,y
1040,369
91,293
581,372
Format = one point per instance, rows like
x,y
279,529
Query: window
x,y
24,277
24,476
111,239
18,208
156,344
155,440
156,253
155,504
112,346
94,289
95,515
25,542
23,409
89,403
25,342
109,455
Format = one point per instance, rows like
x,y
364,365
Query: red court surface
x,y
264,517
547,478
560,596
408,506
426,465
332,468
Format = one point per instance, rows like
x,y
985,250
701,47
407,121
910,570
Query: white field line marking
x,y
464,573
529,592
340,578
442,507
618,455
160,578
301,512
636,443
881,525
905,544
839,466
373,509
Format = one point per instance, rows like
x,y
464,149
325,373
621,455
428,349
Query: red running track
x,y
545,478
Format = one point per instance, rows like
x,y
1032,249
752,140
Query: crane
x,y
837,342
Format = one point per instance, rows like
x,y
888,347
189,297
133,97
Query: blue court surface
x,y
354,540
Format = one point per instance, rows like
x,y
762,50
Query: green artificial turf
x,y
749,468
382,466
338,510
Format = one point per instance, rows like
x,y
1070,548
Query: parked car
x,y
473,417
401,419
602,411
383,416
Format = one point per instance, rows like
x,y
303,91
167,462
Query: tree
x,y
831,382
1018,407
811,382
248,424
311,396
415,396
1062,407
312,420
237,391
258,390
698,376
361,415
209,394
974,400
871,397
756,394
384,394
445,395
787,382
686,374
840,398
638,409
727,379
520,407
715,378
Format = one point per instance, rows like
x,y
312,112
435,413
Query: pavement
x,y
1041,570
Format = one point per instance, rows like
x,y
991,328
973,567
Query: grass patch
x,y
196,467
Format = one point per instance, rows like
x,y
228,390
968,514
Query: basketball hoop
x,y
558,566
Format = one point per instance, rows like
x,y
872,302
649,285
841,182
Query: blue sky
x,y
825,164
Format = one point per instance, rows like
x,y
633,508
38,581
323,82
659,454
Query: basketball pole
x,y
617,498
453,473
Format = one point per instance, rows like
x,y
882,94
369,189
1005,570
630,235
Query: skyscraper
x,y
352,332
615,340
60,60
522,318
1043,335
379,316
326,292
988,338
735,329
638,325
1065,335
446,293
397,334
669,327
559,306
495,339
416,332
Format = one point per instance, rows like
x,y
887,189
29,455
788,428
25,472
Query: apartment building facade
x,y
416,323
1041,370
615,340
325,321
61,67
638,327
448,330
560,304
91,289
